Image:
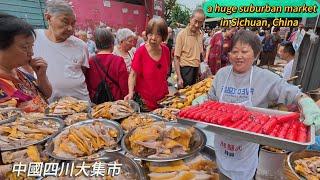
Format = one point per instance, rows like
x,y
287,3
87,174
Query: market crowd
x,y
42,65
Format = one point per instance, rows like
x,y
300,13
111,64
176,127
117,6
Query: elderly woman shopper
x,y
106,67
67,56
148,76
17,88
219,47
243,83
126,41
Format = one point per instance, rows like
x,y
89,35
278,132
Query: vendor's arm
x,y
131,85
39,66
310,110
290,94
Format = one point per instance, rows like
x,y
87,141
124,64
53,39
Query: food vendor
x,y
17,88
245,84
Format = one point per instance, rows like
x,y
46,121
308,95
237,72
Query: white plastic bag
x,y
204,70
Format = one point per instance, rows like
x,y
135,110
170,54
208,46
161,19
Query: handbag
x,y
103,93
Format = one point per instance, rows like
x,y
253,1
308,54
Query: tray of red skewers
x,y
274,128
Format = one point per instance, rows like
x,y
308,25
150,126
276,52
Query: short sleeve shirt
x,y
151,80
188,47
65,61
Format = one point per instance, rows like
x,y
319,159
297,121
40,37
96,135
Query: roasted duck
x,y
112,110
30,154
22,133
84,140
74,118
31,116
168,114
135,121
308,167
8,113
198,168
158,141
67,106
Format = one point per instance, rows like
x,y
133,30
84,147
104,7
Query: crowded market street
x,y
159,90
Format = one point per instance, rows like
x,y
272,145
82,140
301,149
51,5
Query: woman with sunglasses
x,y
148,76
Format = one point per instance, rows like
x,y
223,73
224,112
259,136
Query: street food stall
x,y
168,143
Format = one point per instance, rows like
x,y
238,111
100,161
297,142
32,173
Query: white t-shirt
x,y
65,61
287,70
127,59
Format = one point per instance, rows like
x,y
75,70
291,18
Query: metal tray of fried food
x,y
134,105
64,115
59,124
12,113
130,167
197,142
129,123
207,153
256,137
174,112
108,123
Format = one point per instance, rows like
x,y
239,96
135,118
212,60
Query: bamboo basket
x,y
288,163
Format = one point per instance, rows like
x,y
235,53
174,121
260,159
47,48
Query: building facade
x,y
133,14
29,10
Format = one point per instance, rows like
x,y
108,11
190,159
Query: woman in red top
x,y
148,76
115,67
217,53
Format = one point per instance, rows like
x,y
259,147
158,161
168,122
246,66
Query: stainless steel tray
x,y
134,105
154,117
64,115
198,141
299,155
163,118
59,122
12,118
256,137
128,165
206,152
108,123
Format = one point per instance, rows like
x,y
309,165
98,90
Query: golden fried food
x,y
112,110
308,167
157,141
21,133
169,114
84,140
7,113
198,168
135,121
74,118
184,97
30,154
68,105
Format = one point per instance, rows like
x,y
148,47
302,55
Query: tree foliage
x,y
176,13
